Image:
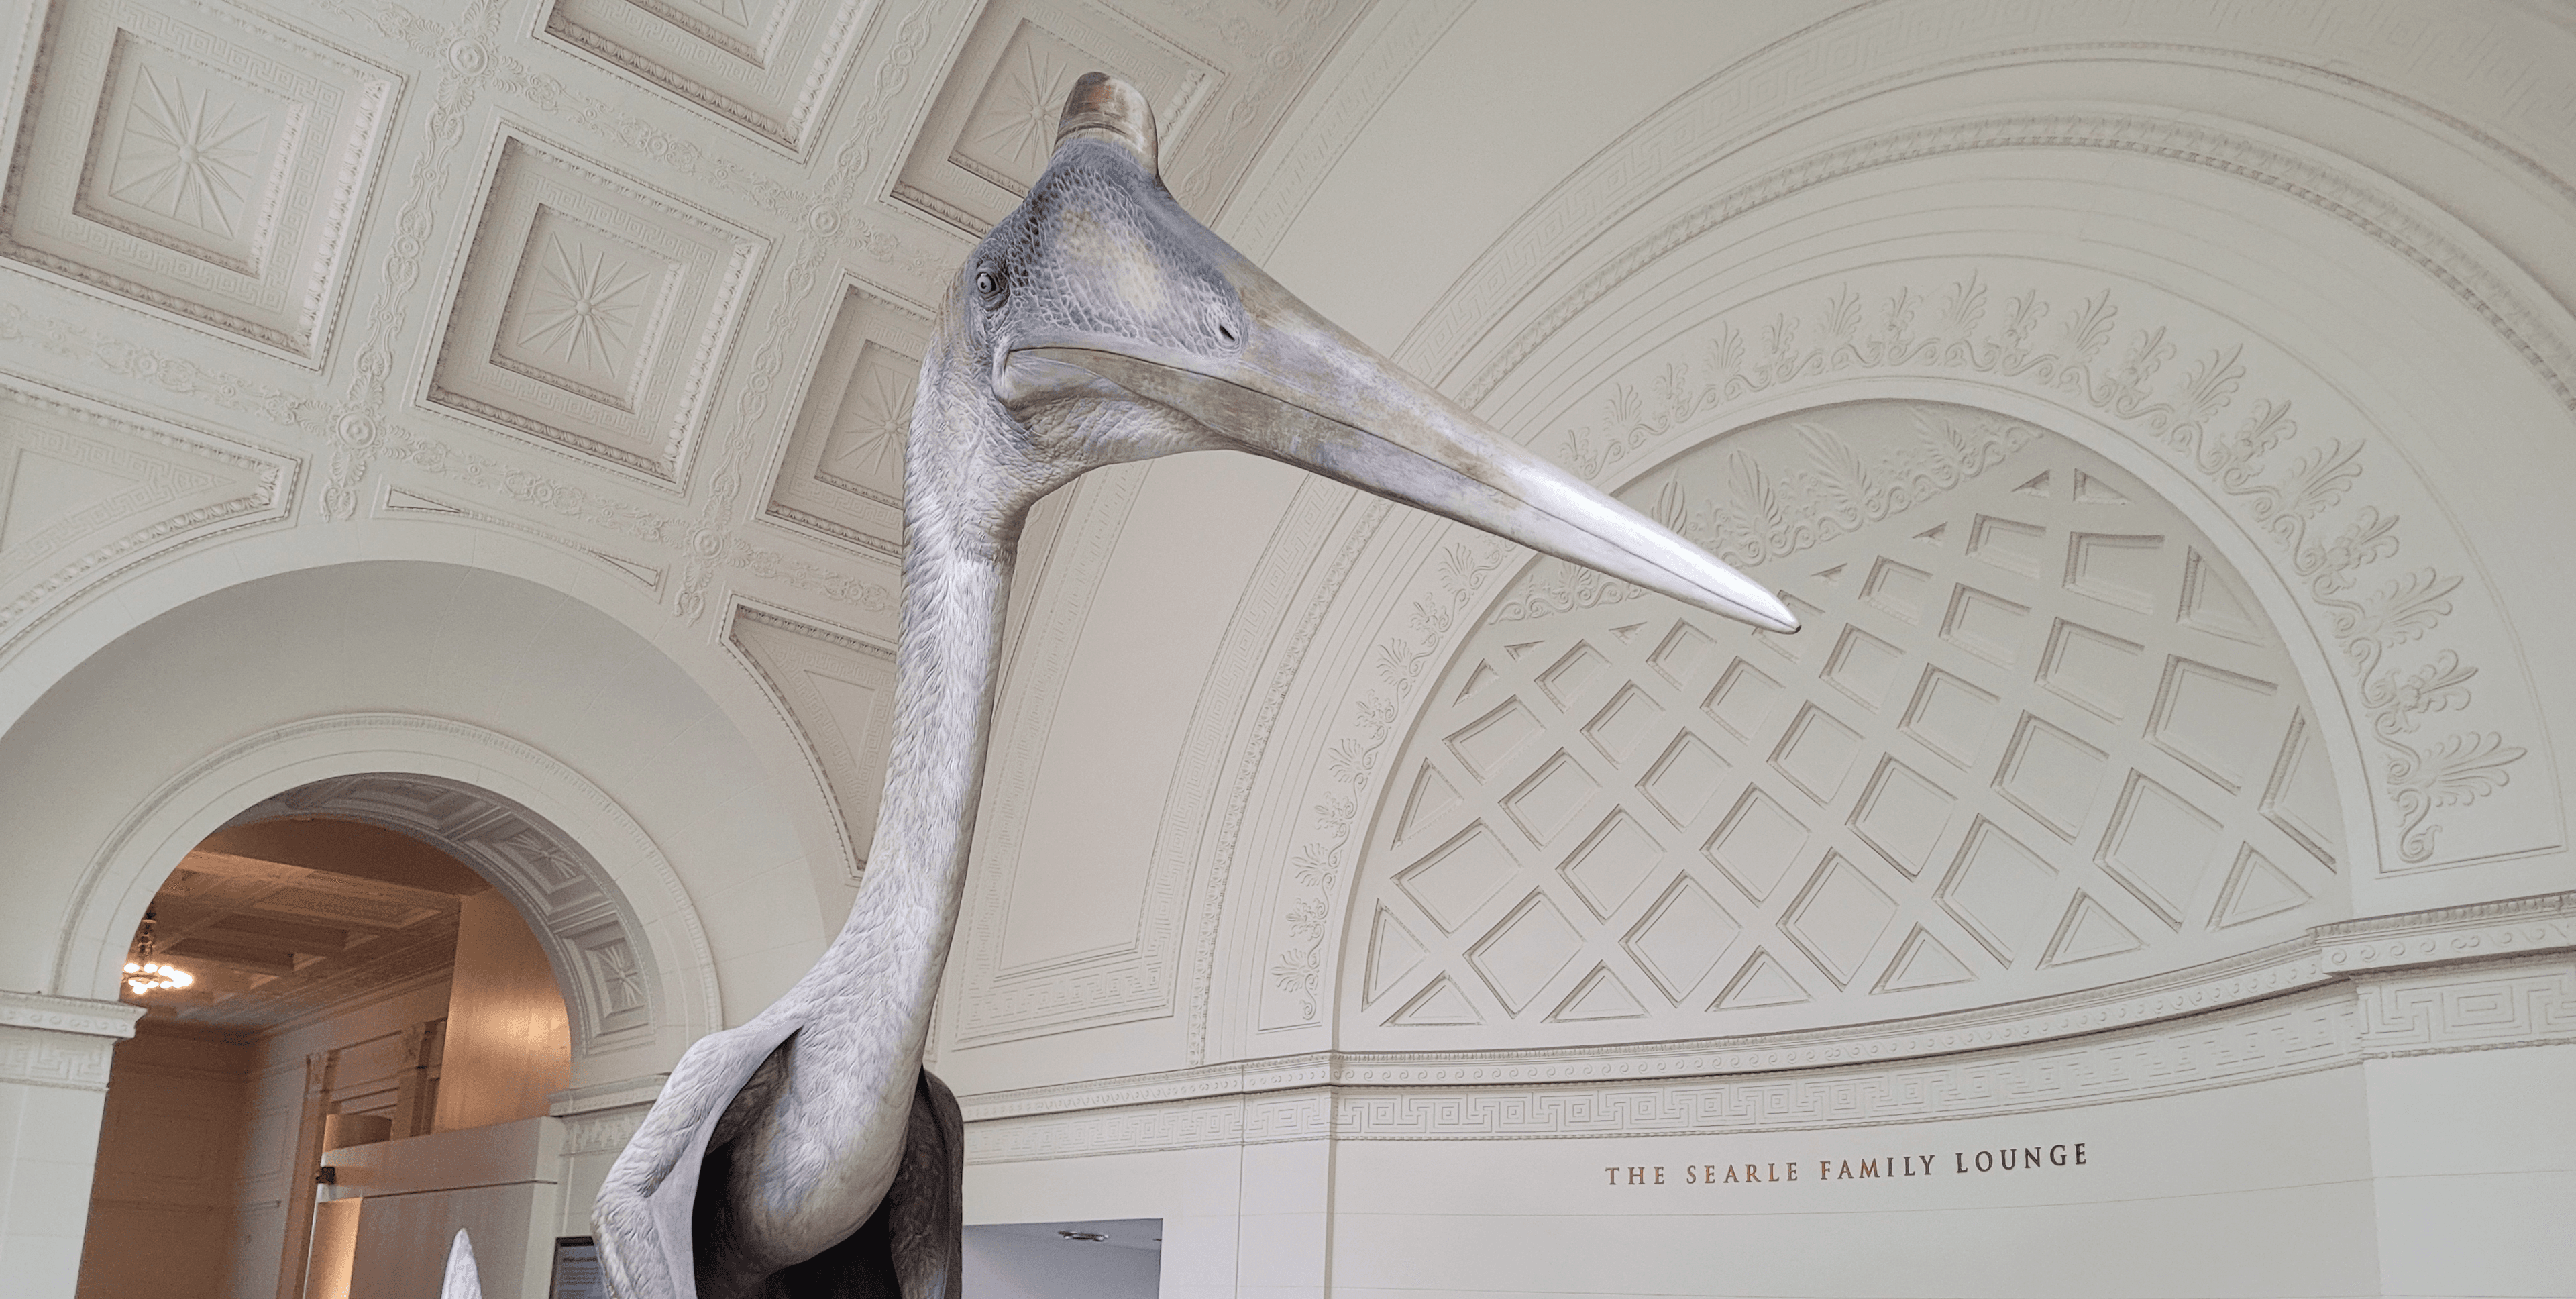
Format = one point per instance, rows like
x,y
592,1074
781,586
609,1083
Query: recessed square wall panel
x,y
843,475
992,129
771,66
592,311
183,157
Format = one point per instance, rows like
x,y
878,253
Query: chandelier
x,y
144,974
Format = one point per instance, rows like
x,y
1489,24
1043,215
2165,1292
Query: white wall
x,y
164,1209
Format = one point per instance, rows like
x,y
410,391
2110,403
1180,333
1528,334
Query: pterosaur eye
x,y
1227,331
989,286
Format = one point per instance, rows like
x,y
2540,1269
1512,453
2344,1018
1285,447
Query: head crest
x,y
1104,107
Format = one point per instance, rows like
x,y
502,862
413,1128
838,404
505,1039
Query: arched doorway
x,y
384,982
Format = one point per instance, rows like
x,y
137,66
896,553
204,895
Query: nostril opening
x,y
1226,332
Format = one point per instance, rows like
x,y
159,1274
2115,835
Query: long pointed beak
x,y
1302,391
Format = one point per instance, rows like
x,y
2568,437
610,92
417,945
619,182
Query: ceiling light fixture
x,y
1081,1235
144,974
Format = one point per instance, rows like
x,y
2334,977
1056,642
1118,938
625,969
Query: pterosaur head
x,y
1101,323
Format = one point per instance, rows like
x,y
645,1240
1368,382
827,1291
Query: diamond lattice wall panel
x,y
992,129
843,475
769,65
2011,754
592,312
184,157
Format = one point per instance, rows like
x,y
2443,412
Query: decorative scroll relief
x,y
772,66
836,221
591,313
2036,736
843,474
85,492
1450,585
178,155
838,692
2409,631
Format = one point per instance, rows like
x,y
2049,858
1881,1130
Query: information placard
x,y
577,1274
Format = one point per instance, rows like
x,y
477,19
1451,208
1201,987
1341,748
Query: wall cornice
x,y
82,1016
2456,978
67,1042
2527,1001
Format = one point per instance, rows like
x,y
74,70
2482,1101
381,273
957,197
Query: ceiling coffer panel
x,y
770,66
592,312
992,128
843,474
2012,753
186,158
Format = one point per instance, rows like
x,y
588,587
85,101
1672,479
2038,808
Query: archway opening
x,y
356,1048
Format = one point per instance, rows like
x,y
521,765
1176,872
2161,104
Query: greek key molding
x,y
600,1119
69,1042
2457,978
41,1059
2513,1003
2522,1002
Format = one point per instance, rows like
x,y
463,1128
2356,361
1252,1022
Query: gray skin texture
x,y
806,1152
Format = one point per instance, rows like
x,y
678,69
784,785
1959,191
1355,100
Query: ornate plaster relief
x,y
590,312
771,66
1218,77
2373,565
591,936
843,475
87,493
65,1042
196,161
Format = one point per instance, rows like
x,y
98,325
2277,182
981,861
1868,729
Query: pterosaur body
x,y
806,1152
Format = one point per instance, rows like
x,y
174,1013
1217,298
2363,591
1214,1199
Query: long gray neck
x,y
890,952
